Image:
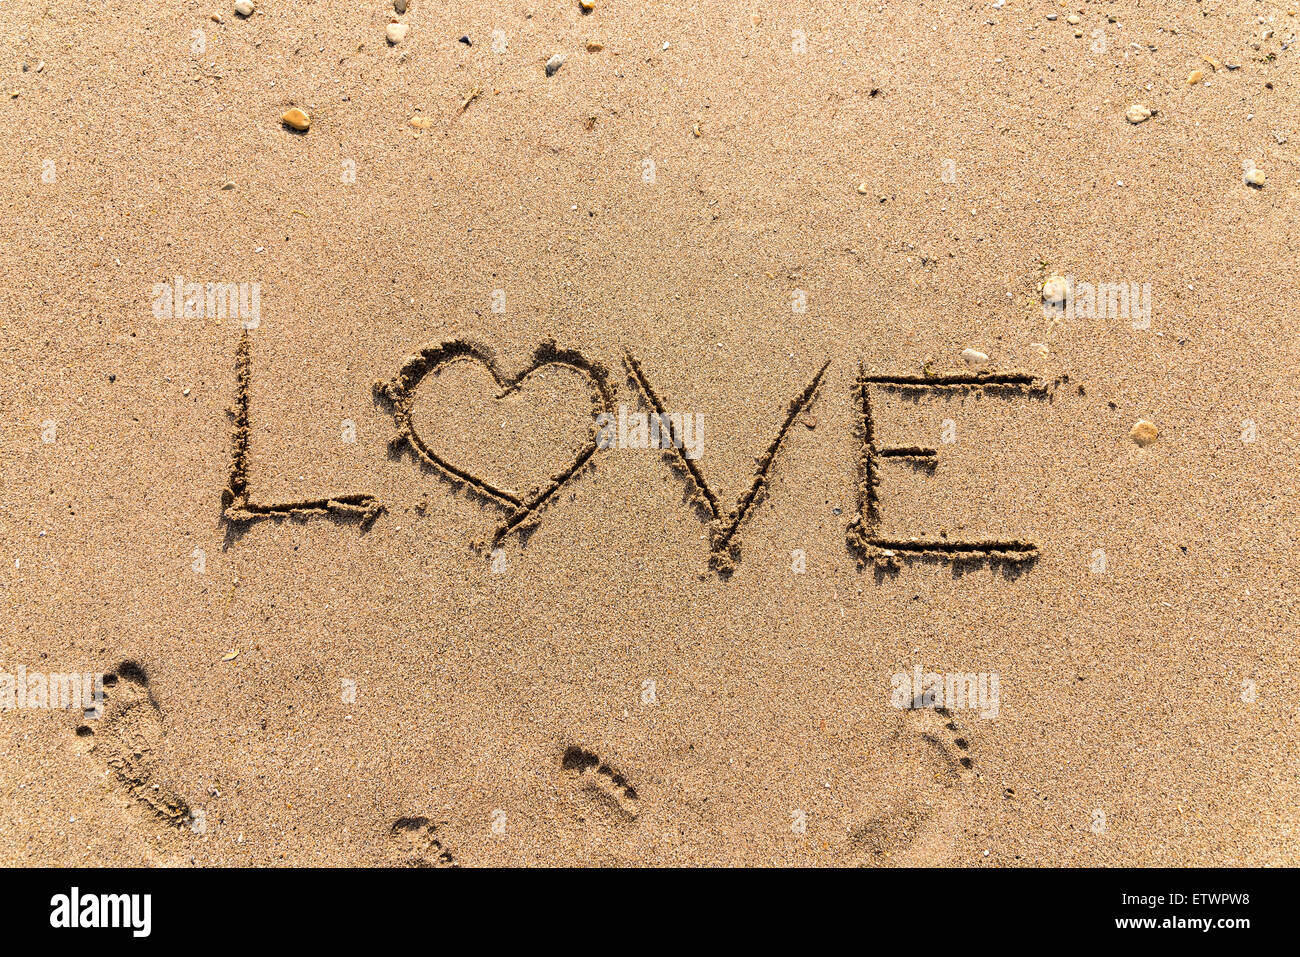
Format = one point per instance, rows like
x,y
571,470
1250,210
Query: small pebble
x,y
399,6
1195,77
863,188
586,6
1055,289
296,119
974,357
244,7
420,122
1040,348
466,40
1074,19
1144,432
1255,178
553,64
594,46
397,32
1051,16
1137,113
228,184
810,420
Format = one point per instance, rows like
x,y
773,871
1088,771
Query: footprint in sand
x,y
937,727
605,787
934,751
416,844
125,738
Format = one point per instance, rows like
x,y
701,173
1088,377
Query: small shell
x,y
1056,289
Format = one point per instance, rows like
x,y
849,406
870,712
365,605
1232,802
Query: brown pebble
x,y
296,119
810,420
1144,432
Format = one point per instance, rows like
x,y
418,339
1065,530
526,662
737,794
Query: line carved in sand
x,y
236,499
862,535
723,548
522,509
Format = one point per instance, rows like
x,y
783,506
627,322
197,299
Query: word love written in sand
x,y
523,511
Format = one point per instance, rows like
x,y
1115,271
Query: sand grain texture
x,y
504,716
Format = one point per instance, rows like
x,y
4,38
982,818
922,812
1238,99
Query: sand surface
x,y
874,186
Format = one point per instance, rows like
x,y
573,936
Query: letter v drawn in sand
x,y
723,547
522,508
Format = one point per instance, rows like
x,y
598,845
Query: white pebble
x,y
244,7
1056,289
974,357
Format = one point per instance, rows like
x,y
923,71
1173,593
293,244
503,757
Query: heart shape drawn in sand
x,y
522,508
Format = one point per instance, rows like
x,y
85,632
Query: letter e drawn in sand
x,y
862,536
522,509
723,548
236,499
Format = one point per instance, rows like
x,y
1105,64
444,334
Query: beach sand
x,y
735,197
